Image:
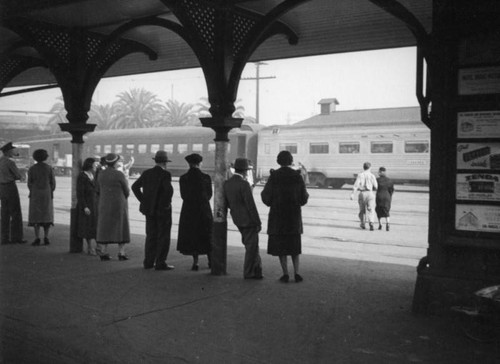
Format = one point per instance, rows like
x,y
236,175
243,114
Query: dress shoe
x,y
379,227
371,227
104,257
362,226
285,278
195,267
387,227
36,242
46,241
164,267
298,278
122,257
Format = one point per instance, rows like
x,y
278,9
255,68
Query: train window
x,y
130,149
154,148
267,148
169,148
97,149
291,147
197,148
318,148
182,148
417,147
118,148
142,148
107,148
381,147
349,148
211,147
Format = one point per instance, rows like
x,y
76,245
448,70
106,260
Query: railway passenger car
x,y
143,143
334,145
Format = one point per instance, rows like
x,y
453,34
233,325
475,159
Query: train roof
x,y
366,117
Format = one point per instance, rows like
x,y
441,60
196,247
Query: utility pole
x,y
257,78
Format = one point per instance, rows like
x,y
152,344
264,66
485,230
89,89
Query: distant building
x,y
19,124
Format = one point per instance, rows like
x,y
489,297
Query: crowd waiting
x,y
102,207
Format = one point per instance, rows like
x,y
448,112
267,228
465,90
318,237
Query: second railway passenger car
x,y
334,145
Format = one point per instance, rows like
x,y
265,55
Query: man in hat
x,y
11,215
239,199
154,191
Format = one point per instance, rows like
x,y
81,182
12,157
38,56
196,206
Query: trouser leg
x,y
16,226
370,207
164,225
253,265
150,242
5,216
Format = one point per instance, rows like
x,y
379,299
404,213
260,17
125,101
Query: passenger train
x,y
332,146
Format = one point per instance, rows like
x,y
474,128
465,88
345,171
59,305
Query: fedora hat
x,y
161,157
241,164
111,158
194,158
7,147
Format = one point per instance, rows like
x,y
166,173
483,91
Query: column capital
x,y
221,125
77,130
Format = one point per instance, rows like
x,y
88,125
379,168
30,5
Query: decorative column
x,y
224,36
78,60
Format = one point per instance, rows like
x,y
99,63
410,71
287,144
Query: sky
x,y
358,80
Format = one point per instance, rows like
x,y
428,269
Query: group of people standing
x,y
369,203
41,185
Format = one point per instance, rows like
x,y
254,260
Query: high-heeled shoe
x,y
46,241
195,267
36,242
122,257
104,257
387,227
379,226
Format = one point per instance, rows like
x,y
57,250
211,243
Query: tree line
x,y
139,108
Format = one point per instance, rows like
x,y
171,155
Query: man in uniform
x,y
239,198
366,183
154,191
11,215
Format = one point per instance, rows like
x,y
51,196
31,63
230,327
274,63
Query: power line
x,y
257,79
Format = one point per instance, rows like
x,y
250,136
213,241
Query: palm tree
x,y
179,114
102,115
137,108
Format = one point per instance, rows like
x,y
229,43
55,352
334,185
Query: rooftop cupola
x,y
328,106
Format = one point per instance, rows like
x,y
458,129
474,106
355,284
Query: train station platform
x,y
58,307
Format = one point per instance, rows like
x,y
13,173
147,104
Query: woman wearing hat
x,y
195,222
285,192
41,184
86,207
112,212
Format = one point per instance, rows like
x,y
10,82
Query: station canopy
x,y
322,26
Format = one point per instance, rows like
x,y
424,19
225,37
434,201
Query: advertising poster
x,y
477,218
478,124
478,156
478,187
477,81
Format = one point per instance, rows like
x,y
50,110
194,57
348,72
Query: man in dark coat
x,y
12,219
239,199
154,191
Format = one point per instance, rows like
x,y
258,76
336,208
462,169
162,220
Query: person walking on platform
x,y
154,191
239,199
195,222
383,198
112,216
86,196
366,183
41,184
11,215
285,193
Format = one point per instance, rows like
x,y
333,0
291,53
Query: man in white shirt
x,y
366,183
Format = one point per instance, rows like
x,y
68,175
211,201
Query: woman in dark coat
x,y
41,184
86,195
195,222
285,192
383,198
112,211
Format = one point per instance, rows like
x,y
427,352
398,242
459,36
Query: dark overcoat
x,y
383,199
41,184
154,191
86,196
285,192
112,215
195,222
239,199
